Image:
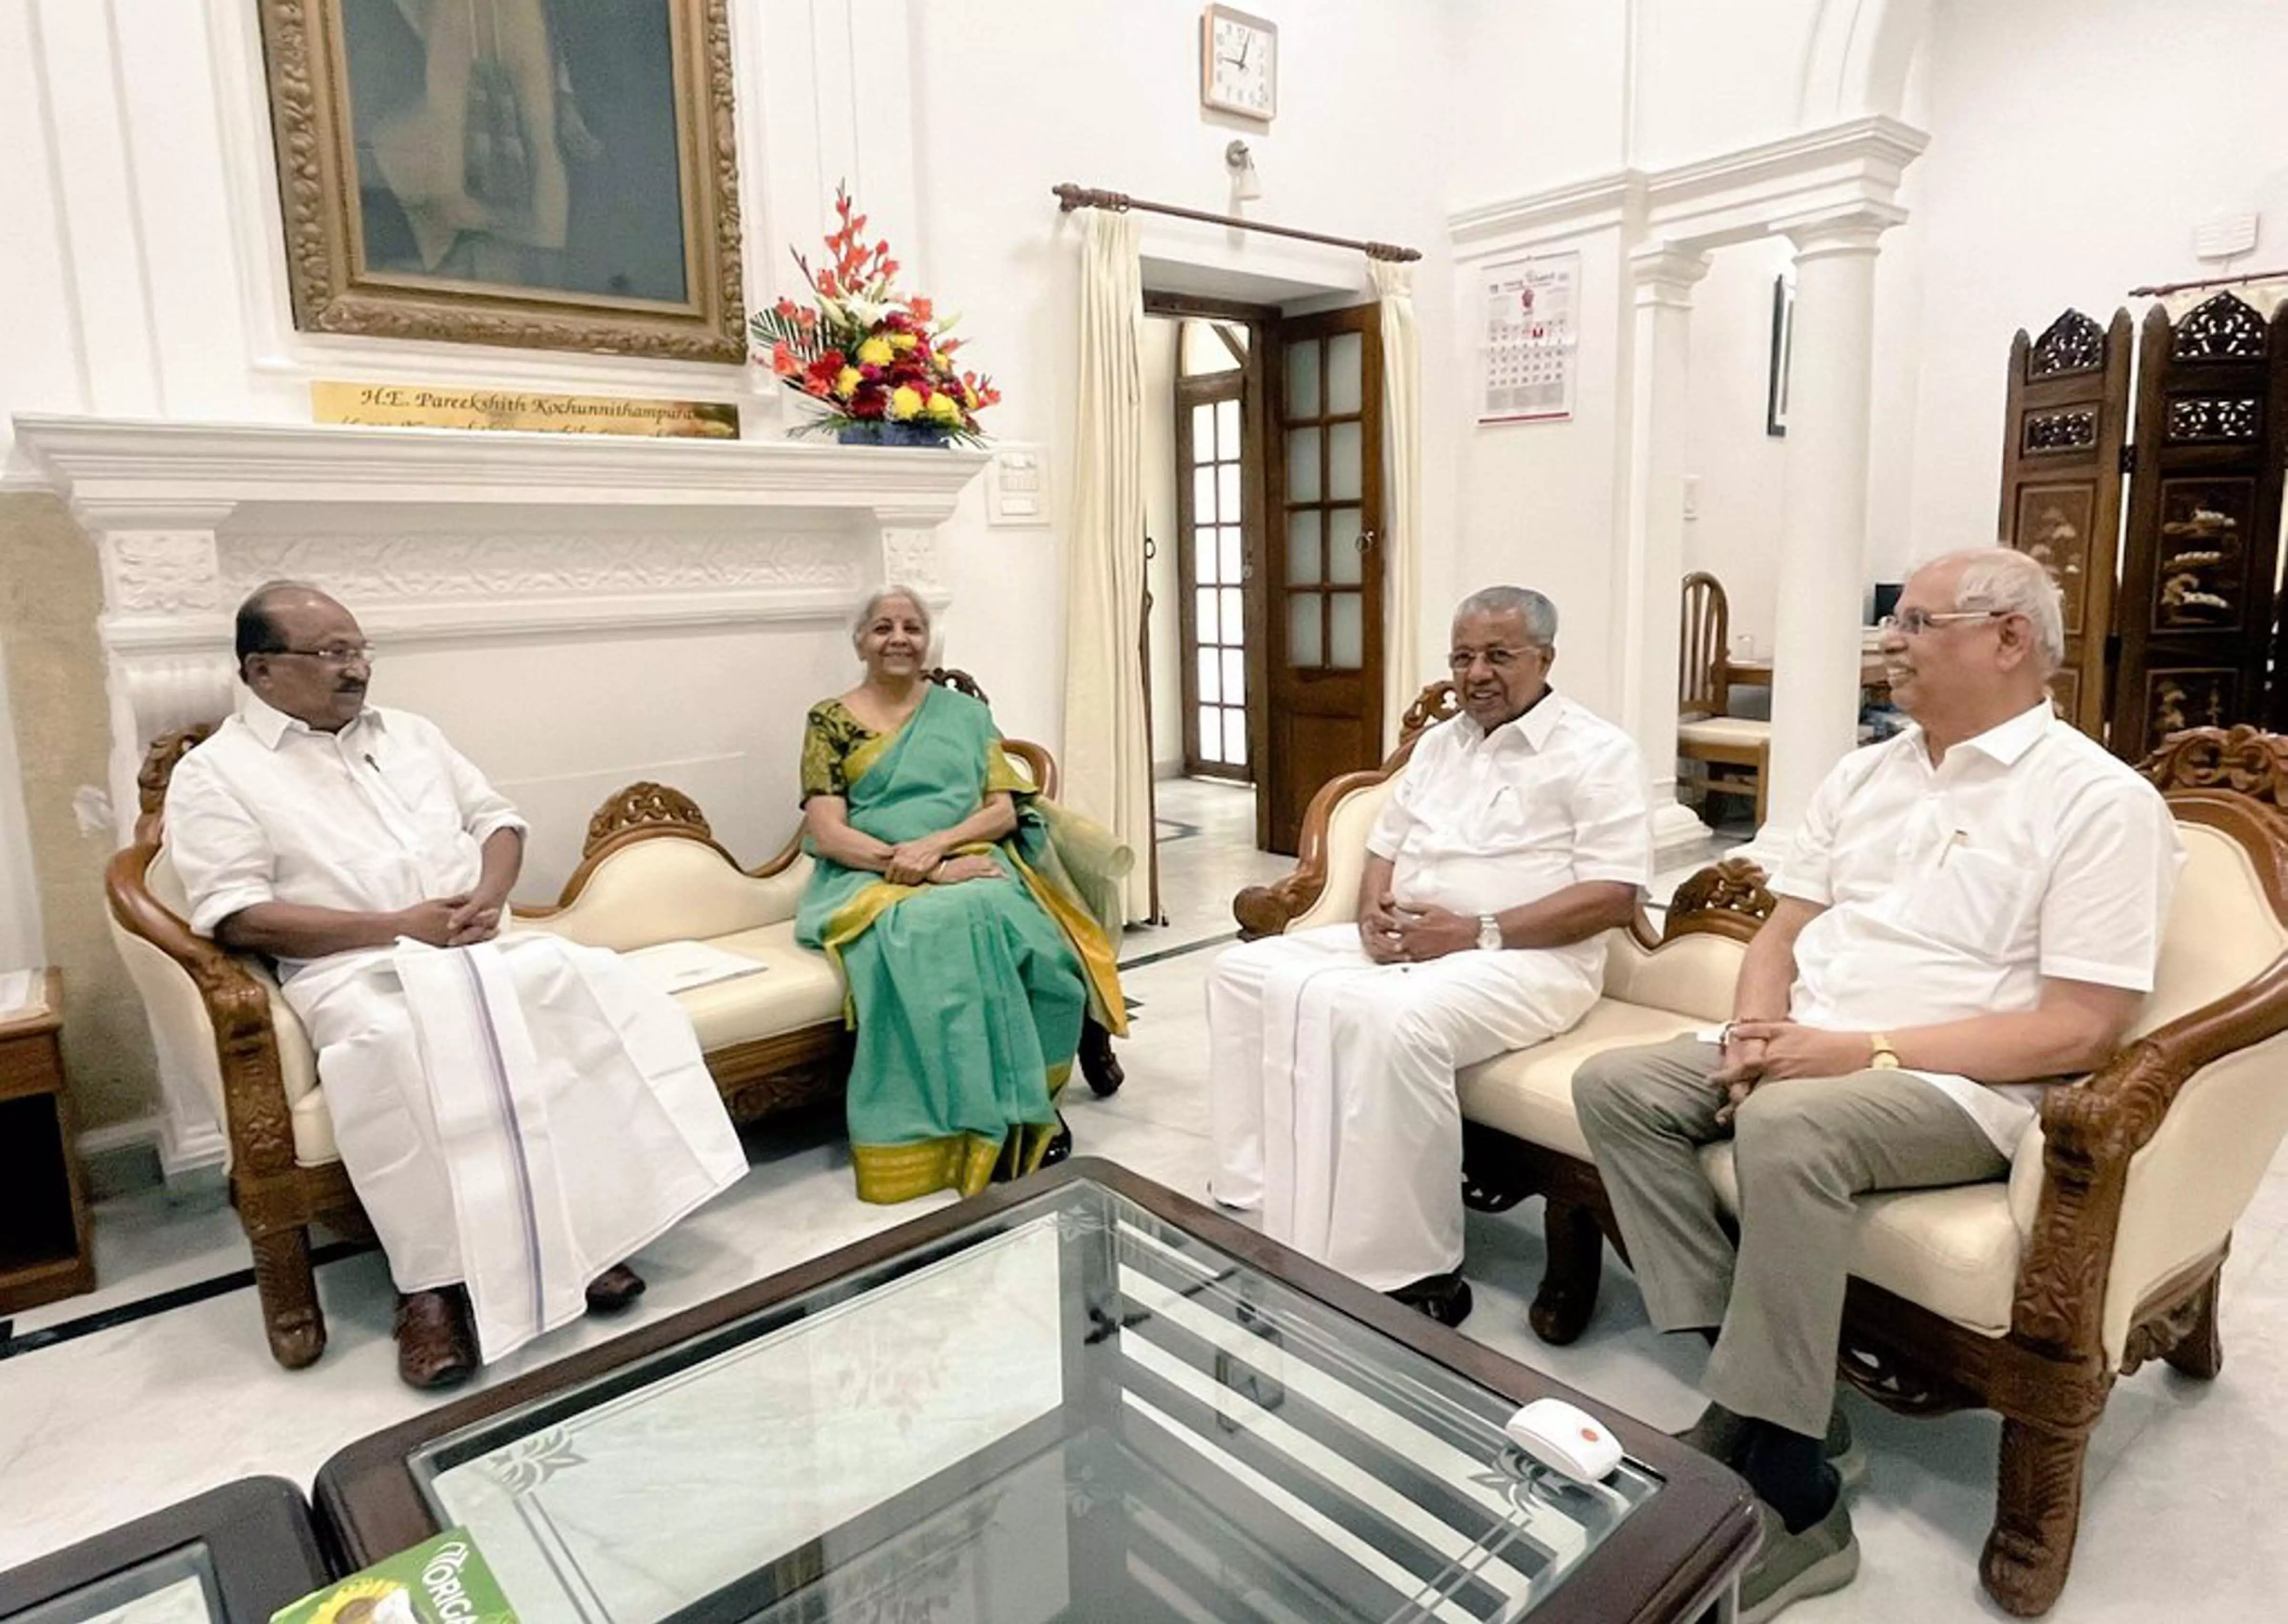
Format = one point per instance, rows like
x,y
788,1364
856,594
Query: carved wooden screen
x,y
2067,417
2196,599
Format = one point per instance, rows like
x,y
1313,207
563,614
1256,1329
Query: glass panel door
x,y
1325,621
1211,495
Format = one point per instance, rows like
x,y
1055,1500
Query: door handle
x,y
1366,539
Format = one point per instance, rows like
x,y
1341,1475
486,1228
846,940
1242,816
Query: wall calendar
x,y
1531,308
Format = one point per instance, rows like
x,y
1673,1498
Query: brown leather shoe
x,y
436,1346
614,1289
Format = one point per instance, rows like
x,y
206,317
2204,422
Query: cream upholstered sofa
x,y
2028,1297
651,871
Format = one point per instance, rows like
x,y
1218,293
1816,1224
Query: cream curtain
x,y
1403,671
1108,761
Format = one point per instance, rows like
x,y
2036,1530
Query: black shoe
x,y
614,1289
1444,1297
1062,1145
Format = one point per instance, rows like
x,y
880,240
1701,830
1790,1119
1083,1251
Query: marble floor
x,y
2185,1478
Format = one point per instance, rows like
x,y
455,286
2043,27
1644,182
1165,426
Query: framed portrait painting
x,y
550,174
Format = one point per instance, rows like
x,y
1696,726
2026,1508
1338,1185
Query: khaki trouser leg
x,y
1646,1112
1803,1152
1804,1149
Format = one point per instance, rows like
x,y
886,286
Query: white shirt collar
x,y
270,725
2004,743
1534,727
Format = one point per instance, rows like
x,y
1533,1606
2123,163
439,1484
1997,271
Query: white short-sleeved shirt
x,y
378,817
1480,822
1954,891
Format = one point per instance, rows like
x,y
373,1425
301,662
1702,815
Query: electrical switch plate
x,y
1017,486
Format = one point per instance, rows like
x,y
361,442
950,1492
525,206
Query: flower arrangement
x,y
870,355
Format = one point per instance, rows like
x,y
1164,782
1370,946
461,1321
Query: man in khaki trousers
x,y
1970,909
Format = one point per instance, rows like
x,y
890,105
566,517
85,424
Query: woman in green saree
x,y
970,970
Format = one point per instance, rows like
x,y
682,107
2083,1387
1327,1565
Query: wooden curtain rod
x,y
1070,197
2213,281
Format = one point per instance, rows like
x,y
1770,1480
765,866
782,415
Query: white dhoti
x,y
519,1116
1331,1087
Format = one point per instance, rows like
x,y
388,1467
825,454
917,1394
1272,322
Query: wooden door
x,y
2198,599
1215,474
2067,420
1323,634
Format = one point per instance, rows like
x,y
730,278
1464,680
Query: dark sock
x,y
1789,1473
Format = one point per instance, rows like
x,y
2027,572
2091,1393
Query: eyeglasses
x,y
1500,659
1914,622
337,654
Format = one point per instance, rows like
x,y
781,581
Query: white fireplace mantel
x,y
438,536
120,472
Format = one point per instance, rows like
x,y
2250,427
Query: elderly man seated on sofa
x,y
518,1114
1515,837
1971,908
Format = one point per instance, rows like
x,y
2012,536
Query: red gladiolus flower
x,y
922,309
782,360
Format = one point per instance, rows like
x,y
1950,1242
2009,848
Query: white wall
x,y
2074,145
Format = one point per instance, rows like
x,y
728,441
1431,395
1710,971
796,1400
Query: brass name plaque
x,y
437,407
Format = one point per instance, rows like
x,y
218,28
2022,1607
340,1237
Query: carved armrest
x,y
1268,910
2092,1129
1728,897
257,1118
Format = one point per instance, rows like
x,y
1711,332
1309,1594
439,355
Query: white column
x,y
1823,523
1652,559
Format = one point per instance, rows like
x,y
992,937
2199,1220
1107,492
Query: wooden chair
x,y
1705,733
220,1019
2029,1296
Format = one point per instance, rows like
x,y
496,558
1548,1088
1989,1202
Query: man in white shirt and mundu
x,y
1970,909
1516,835
517,1113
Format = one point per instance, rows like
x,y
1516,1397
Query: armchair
x,y
651,871
2029,1296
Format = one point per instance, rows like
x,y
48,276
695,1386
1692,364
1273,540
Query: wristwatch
x,y
1490,934
1886,1059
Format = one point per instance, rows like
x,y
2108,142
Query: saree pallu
x,y
968,998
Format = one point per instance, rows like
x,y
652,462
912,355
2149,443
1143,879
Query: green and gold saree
x,y
968,998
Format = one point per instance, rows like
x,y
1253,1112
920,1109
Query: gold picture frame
x,y
496,171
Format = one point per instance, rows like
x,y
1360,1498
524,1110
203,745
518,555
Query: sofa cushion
x,y
797,989
1953,1250
1529,1092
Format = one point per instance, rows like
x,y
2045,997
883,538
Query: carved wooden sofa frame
x,y
2049,1374
279,1198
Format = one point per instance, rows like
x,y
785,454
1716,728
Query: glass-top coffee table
x,y
1080,1397
234,1555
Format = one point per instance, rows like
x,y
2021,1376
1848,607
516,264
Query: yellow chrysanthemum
x,y
903,341
846,382
874,352
945,408
905,401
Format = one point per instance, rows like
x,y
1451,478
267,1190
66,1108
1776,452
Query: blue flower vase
x,y
881,431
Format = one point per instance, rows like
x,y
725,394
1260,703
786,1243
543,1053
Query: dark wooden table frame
x,y
258,1538
1671,1559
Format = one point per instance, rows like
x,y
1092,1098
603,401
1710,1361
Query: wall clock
x,y
1239,63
